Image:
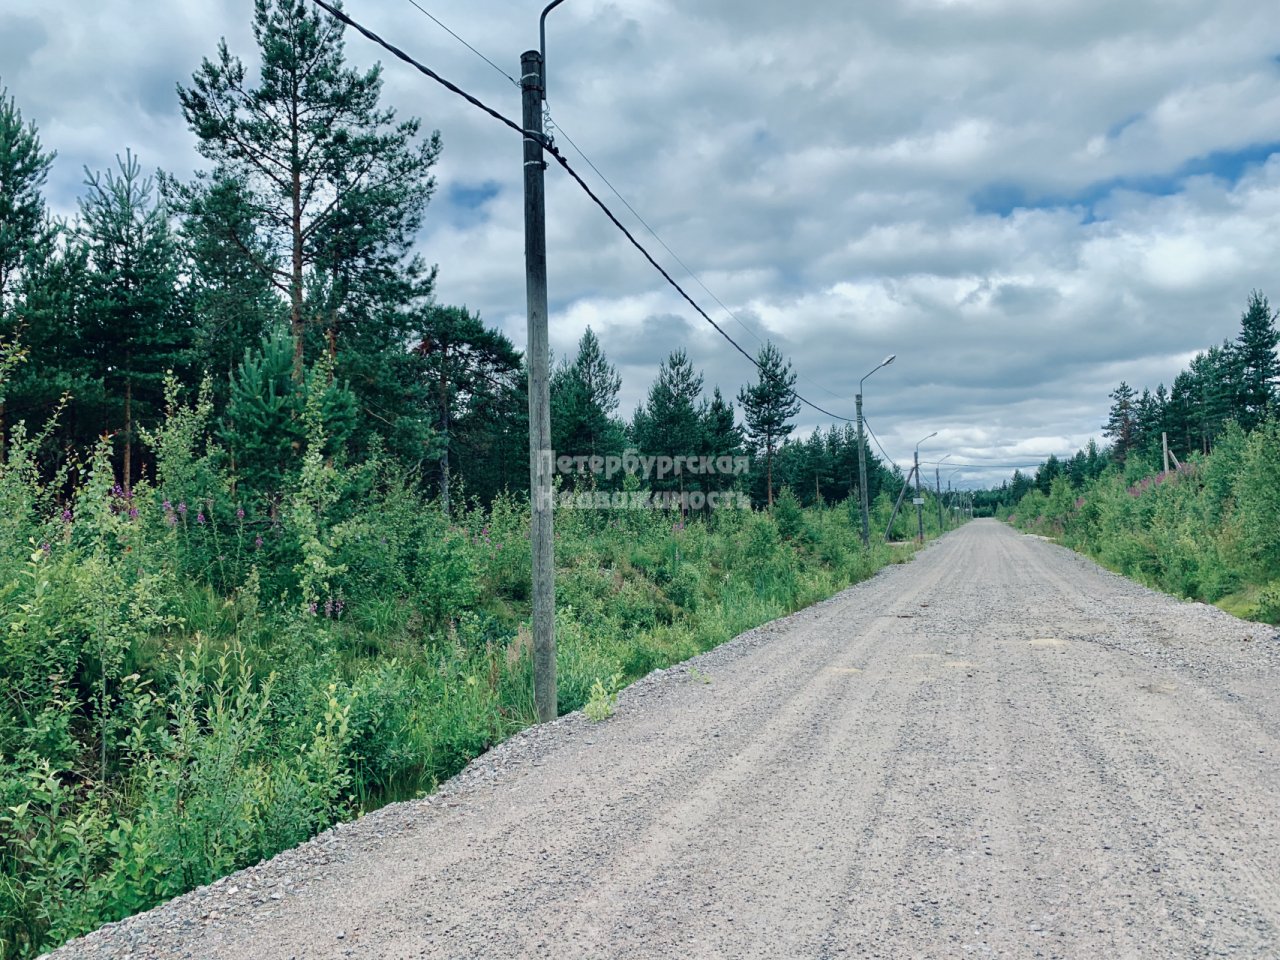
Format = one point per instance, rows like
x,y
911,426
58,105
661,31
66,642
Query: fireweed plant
x,y
197,675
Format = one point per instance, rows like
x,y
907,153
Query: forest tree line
x,y
286,270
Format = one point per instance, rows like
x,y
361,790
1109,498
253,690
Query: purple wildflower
x,y
167,506
200,518
133,513
66,515
46,548
257,542
239,513
312,608
182,507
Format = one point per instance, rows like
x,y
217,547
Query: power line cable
x,y
883,453
675,256
436,20
550,149
421,68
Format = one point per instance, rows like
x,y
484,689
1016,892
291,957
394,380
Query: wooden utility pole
x,y
540,456
937,488
919,501
1164,441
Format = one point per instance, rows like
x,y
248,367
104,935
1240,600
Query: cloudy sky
x,y
1026,200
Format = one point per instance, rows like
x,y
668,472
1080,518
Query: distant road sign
x,y
918,501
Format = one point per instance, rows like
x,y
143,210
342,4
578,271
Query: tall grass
x,y
1209,531
194,679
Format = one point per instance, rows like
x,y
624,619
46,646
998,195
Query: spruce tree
x,y
23,168
467,367
233,302
584,396
136,326
722,437
1258,364
671,420
767,406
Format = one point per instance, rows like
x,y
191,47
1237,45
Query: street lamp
x,y
862,454
919,498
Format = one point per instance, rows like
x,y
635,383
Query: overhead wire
x,y
665,246
436,20
551,123
882,450
551,150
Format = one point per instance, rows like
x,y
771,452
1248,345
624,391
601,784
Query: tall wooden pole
x,y
538,357
919,501
862,476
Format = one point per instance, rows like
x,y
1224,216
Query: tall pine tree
x,y
767,408
337,185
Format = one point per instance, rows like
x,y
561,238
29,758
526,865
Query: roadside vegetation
x,y
193,683
1206,528
264,557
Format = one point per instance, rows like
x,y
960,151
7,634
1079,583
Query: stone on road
x,y
997,749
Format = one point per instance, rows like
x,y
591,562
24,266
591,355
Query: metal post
x,y
862,477
540,494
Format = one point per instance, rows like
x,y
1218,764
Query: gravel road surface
x,y
997,749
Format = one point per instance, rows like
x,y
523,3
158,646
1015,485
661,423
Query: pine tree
x,y
23,168
767,406
1121,424
1258,363
136,327
338,185
467,366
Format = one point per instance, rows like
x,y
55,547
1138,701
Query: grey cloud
x,y
816,164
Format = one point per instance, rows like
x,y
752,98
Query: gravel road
x,y
997,749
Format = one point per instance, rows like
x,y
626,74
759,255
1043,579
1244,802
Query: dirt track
x,y
995,750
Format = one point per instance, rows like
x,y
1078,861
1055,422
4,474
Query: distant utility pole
x,y
937,490
937,486
919,502
862,457
919,496
542,542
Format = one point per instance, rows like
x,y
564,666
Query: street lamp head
x,y
883,363
923,439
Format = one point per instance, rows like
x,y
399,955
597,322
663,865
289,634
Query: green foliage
x,y
603,700
788,515
191,687
1206,531
768,405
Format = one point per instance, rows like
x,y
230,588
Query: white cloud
x,y
817,164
